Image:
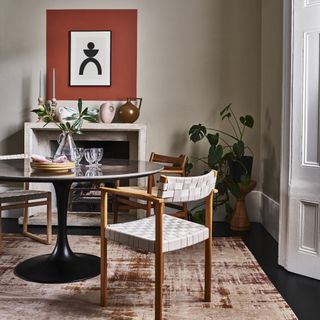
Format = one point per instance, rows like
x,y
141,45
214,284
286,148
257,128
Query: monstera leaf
x,y
213,139
197,132
225,110
247,121
215,154
238,149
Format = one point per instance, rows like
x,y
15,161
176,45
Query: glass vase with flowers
x,y
69,125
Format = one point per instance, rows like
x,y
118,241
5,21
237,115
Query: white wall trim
x,y
270,215
261,209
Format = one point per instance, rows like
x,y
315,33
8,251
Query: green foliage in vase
x,y
221,151
72,124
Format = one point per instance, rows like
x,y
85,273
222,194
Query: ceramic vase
x,y
128,112
107,112
63,112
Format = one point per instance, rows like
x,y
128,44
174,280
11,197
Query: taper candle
x,y
40,85
53,83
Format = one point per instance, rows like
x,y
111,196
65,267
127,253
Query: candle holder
x,y
40,101
54,104
40,104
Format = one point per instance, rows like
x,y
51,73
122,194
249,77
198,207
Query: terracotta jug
x,y
129,113
107,112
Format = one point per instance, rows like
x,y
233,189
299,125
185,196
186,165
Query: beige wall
x,y
271,97
194,56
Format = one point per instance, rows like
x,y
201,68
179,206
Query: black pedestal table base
x,y
62,265
46,269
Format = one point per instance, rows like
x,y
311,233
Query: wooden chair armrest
x,y
132,194
171,171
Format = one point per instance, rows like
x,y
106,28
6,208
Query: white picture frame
x,y
90,58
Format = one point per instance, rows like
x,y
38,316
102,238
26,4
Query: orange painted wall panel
x,y
122,23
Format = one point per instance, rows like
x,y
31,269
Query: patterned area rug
x,y
240,289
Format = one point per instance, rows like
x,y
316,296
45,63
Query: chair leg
x,y
115,205
103,250
185,210
115,209
208,256
159,284
25,231
25,219
103,273
148,209
162,268
49,219
159,262
208,250
0,228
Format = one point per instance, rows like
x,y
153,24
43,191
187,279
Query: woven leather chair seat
x,y
140,234
21,195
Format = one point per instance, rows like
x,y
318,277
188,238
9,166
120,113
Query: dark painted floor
x,y
301,293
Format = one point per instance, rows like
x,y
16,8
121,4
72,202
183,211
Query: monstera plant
x,y
228,154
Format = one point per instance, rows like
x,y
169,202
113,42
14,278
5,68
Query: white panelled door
x,y
300,201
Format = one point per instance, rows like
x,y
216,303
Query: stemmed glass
x,y
78,154
93,171
99,154
90,156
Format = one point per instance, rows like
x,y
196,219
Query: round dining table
x,y
63,265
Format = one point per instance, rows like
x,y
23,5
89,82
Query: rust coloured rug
x,y
240,289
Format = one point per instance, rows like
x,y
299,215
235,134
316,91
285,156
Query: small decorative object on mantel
x,y
54,102
72,125
41,91
107,112
128,112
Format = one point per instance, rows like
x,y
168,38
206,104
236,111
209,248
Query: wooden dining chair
x,y
172,166
25,198
161,232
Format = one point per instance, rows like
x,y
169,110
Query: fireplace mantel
x,y
37,141
36,136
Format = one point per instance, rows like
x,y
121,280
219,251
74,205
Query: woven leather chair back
x,y
185,189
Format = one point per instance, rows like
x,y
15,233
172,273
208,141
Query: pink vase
x,y
107,112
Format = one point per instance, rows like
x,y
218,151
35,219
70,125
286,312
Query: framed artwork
x,y
90,58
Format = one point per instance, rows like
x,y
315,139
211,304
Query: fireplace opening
x,y
111,149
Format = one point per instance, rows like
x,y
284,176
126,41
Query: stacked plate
x,y
52,167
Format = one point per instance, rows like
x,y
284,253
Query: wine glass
x,y
99,154
78,154
89,156
78,171
90,172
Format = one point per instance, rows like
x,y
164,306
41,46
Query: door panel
x,y
299,241
310,139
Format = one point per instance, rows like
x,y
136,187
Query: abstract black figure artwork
x,y
90,53
90,58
